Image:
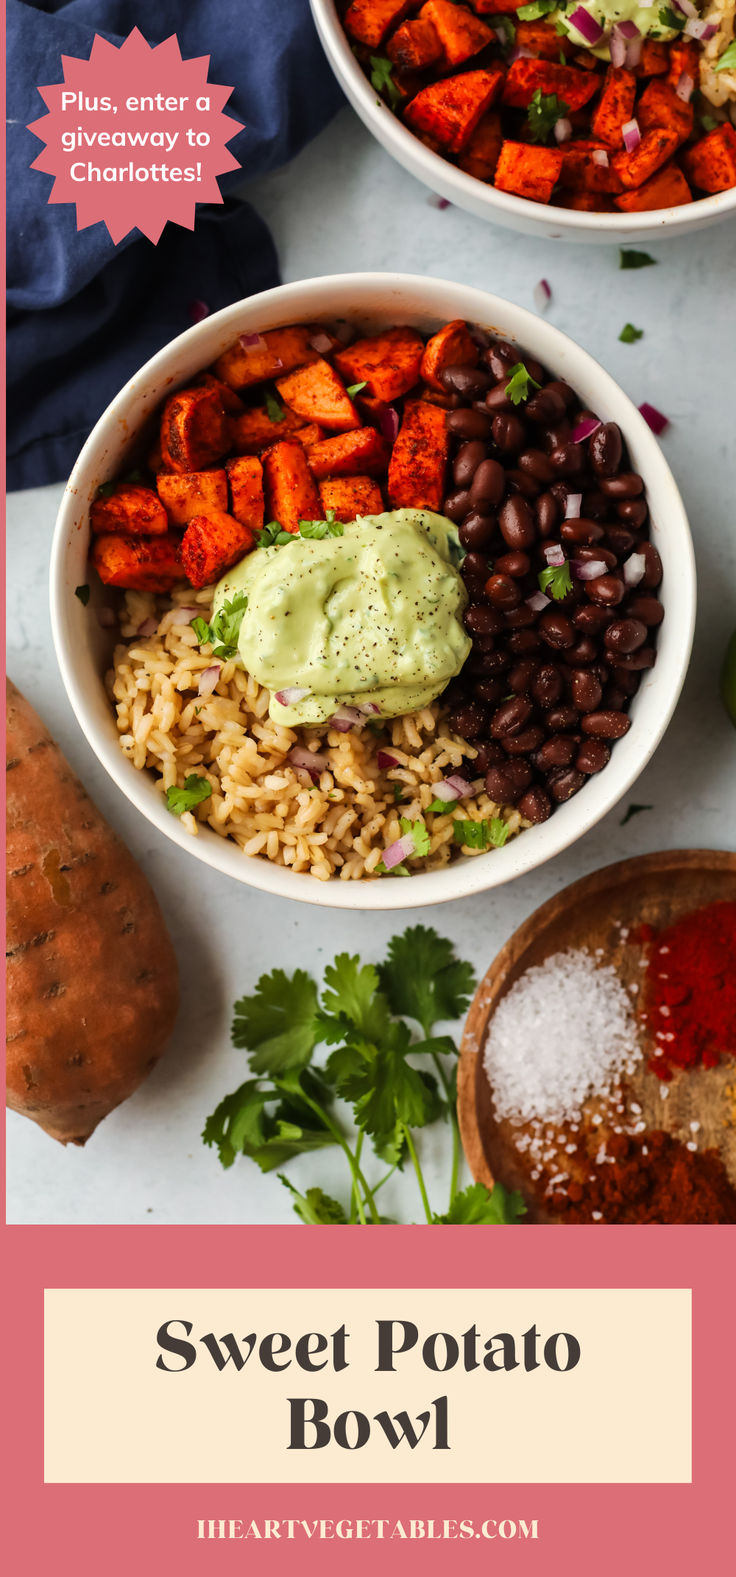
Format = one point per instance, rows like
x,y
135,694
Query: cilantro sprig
x,y
382,79
727,61
224,630
384,1057
631,259
556,579
194,791
274,411
485,834
544,110
272,535
520,384
673,19
629,334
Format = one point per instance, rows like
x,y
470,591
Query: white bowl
x,y
371,301
466,191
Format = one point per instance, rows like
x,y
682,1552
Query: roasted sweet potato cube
x,y
256,429
194,493
138,563
711,163
388,364
311,434
418,464
291,491
480,156
528,171
451,346
414,46
245,476
264,355
654,60
582,172
231,403
132,509
348,496
362,452
542,40
194,430
655,148
460,33
316,393
524,77
496,7
369,21
659,106
449,111
211,544
684,57
584,202
615,106
667,189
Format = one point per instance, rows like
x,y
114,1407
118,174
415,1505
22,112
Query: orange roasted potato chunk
x,y
460,33
368,21
211,544
666,189
524,77
655,148
194,430
388,364
414,46
348,496
418,464
581,172
133,509
191,493
255,430
528,171
451,346
615,106
659,106
480,156
448,111
291,491
245,476
542,40
361,452
711,163
138,563
263,355
316,393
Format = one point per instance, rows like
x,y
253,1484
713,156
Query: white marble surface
x,y
344,205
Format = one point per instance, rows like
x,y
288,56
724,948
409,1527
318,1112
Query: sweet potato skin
x,y
279,350
132,509
291,491
194,429
448,111
362,452
92,976
348,496
387,363
418,464
711,162
211,544
191,493
450,346
245,476
137,563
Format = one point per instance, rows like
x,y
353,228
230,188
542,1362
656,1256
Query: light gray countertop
x,y
342,205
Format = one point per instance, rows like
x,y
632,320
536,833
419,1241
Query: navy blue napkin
x,y
84,314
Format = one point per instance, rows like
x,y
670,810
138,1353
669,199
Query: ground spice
x,y
689,1001
650,1178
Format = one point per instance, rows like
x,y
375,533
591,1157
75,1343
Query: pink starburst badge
x,y
135,136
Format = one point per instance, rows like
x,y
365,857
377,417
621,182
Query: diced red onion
x,y
252,342
435,201
398,851
388,423
589,569
572,506
631,135
633,52
687,8
586,24
617,48
696,27
684,89
520,52
345,718
148,627
460,786
654,418
554,555
344,331
386,761
371,708
542,296
307,779
563,129
291,695
182,612
340,723
585,429
537,601
277,362
634,568
322,343
600,156
628,30
198,310
308,761
106,618
208,679
445,790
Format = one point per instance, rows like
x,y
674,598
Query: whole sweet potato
x,y
92,981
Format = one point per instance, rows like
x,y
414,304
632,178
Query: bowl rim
x,y
451,182
463,878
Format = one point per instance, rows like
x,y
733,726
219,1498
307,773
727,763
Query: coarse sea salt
x,y
565,1031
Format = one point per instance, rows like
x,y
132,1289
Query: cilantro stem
x,y
417,1168
449,1095
385,1177
355,1200
358,1178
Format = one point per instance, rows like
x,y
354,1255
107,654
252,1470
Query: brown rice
x,y
341,826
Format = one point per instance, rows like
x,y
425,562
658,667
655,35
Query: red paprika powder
x,y
689,1002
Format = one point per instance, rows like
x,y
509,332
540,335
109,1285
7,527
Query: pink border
x,y
125,1529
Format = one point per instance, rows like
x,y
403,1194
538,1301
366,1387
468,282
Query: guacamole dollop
x,y
608,12
373,615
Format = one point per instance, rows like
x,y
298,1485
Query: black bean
x,y
557,751
478,529
488,486
457,504
522,642
584,651
605,449
502,592
648,609
547,511
591,620
653,570
498,400
567,395
470,720
634,511
628,484
510,717
466,462
614,700
547,685
516,522
489,691
480,619
489,753
556,629
592,757
564,782
536,464
535,805
500,358
581,531
469,424
520,618
524,743
503,785
470,382
475,567
568,460
620,539
586,691
561,719
546,405
520,482
509,432
606,725
598,555
607,590
633,662
626,680
625,635
522,676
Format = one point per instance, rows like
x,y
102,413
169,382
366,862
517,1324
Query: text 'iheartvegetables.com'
x,y
135,136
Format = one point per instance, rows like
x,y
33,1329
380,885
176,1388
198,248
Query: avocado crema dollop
x,y
373,615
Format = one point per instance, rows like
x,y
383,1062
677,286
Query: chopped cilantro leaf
x,y
82,592
479,1206
556,579
418,830
355,388
273,535
561,27
274,411
505,26
532,13
396,870
727,61
315,1208
481,834
319,529
424,979
629,259
223,632
382,79
439,807
278,1023
398,793
670,18
542,113
633,810
194,791
708,122
629,334
520,384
